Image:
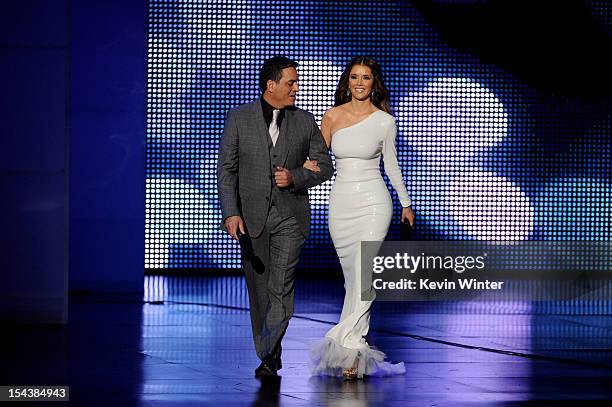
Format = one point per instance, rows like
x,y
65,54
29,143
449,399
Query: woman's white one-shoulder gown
x,y
360,208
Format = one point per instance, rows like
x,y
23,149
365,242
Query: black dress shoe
x,y
277,358
267,367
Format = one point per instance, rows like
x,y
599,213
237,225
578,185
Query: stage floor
x,y
189,344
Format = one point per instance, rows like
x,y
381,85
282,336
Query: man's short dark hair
x,y
272,70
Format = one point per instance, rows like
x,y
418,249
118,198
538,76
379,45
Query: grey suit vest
x,y
278,197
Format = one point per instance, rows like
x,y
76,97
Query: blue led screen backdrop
x,y
483,153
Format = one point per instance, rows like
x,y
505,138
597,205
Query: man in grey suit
x,y
263,190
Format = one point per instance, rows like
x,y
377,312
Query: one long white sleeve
x,y
392,168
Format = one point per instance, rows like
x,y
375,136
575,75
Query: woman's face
x,y
361,82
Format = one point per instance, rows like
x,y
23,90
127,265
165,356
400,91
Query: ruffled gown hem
x,y
329,358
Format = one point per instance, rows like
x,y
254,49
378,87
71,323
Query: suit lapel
x,y
260,130
284,138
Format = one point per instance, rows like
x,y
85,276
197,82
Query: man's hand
x,y
283,177
233,224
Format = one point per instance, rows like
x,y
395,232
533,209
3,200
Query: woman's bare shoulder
x,y
332,114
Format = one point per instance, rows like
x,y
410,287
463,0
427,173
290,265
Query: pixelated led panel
x,y
475,164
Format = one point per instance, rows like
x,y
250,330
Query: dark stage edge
x,y
189,344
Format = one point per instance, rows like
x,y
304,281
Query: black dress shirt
x,y
268,112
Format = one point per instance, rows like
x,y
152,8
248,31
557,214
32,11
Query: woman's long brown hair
x,y
381,94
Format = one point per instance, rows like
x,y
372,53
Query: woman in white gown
x,y
359,129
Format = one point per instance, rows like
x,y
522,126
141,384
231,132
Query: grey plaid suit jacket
x,y
244,171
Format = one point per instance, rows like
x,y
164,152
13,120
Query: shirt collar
x,y
267,108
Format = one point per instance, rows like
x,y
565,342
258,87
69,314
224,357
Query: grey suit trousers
x,y
269,275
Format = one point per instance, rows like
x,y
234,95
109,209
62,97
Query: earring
x,y
348,92
372,95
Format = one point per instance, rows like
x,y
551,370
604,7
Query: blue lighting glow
x,y
475,164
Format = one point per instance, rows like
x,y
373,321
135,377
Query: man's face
x,y
281,94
